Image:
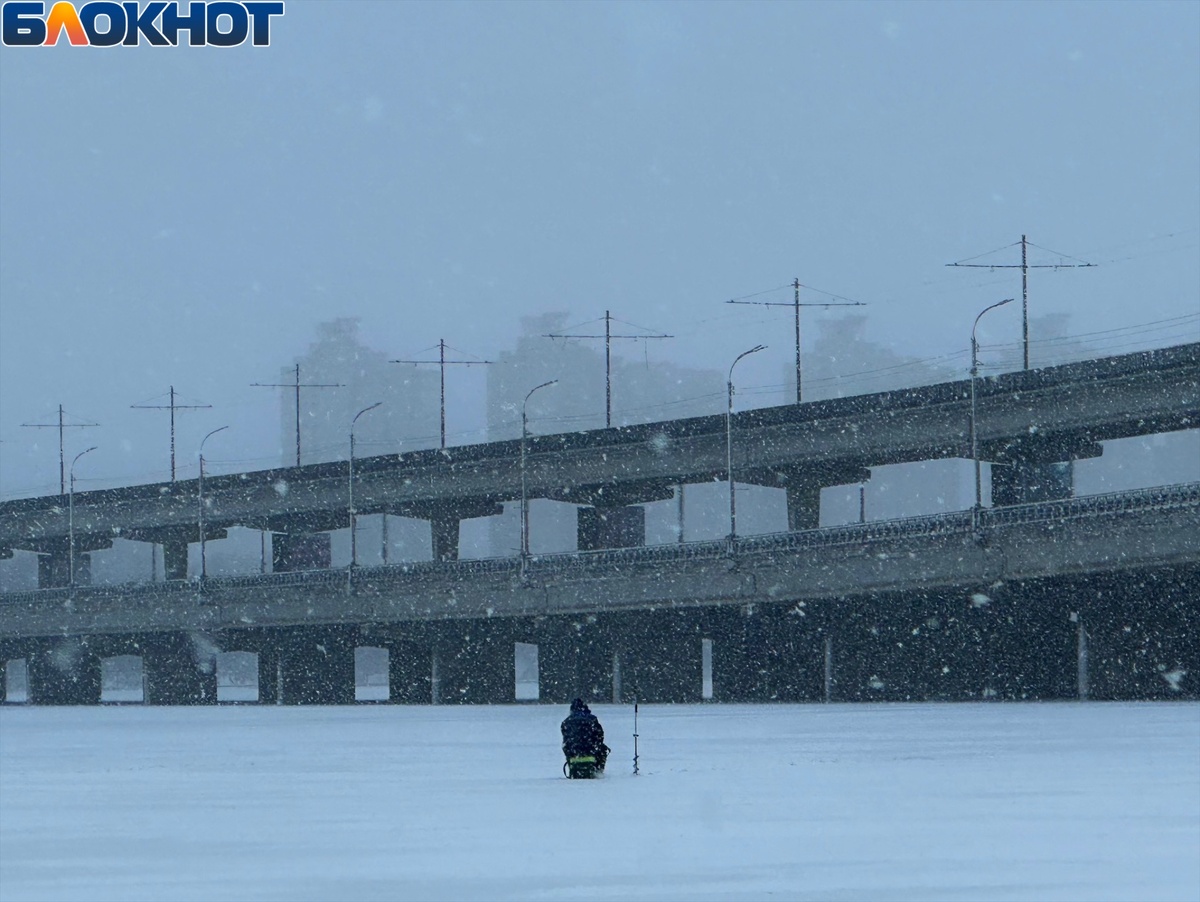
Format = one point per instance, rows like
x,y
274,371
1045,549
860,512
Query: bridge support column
x,y
1134,635
318,667
177,672
804,491
735,651
768,652
445,537
576,659
64,674
301,551
1036,468
54,569
410,667
175,558
611,527
660,655
475,662
1024,482
270,673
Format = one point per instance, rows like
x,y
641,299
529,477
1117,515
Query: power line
x,y
608,337
443,362
297,385
172,406
838,302
1024,266
60,425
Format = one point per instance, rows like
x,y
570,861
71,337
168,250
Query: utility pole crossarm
x,y
443,363
1024,266
297,385
608,336
60,426
172,406
838,301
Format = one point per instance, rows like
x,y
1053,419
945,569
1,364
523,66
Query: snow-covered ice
x,y
1085,801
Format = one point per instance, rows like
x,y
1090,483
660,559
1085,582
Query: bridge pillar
x,y
54,569
475,662
270,672
579,657
1036,468
611,527
734,653
67,673
445,537
660,655
301,551
804,490
318,666
410,667
767,652
177,672
1134,635
1024,482
175,558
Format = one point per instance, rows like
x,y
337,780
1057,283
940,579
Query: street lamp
x,y
200,504
974,431
353,513
524,495
71,520
729,445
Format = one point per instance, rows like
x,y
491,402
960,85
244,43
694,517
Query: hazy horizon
x,y
188,217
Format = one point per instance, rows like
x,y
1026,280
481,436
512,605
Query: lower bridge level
x,y
1125,635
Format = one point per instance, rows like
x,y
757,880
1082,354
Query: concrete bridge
x,y
1033,423
1092,597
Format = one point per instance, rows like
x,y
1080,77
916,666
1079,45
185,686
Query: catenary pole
x,y
796,305
297,385
60,426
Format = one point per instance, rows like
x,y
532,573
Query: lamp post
x,y
524,494
974,430
729,445
71,520
200,504
353,513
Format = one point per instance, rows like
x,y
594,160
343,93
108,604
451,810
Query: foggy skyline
x,y
190,216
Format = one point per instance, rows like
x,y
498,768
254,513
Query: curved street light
x,y
71,520
524,494
200,504
353,512
729,445
974,431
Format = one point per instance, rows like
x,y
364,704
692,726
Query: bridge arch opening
x,y
237,676
16,681
371,674
706,669
122,680
525,667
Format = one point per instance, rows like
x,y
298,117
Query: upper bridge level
x,y
1028,420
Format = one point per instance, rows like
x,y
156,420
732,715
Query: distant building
x,y
407,419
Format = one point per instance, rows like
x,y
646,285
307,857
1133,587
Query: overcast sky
x,y
187,216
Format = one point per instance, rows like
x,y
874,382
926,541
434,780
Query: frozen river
x,y
883,802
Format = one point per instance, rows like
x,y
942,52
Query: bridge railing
x,y
854,534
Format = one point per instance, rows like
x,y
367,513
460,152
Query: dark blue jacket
x,y
582,734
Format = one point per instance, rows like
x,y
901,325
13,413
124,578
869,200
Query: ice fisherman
x,y
583,743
